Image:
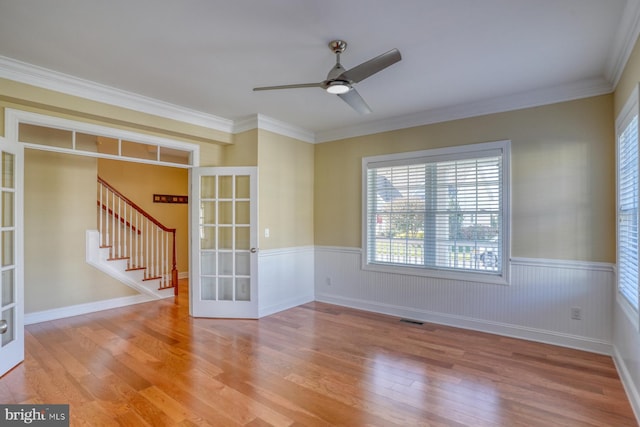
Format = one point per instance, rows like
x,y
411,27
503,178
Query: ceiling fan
x,y
340,81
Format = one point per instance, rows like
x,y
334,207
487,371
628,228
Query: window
x,y
441,212
55,134
627,200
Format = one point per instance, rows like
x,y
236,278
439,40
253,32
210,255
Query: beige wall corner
x,y
243,151
211,154
286,190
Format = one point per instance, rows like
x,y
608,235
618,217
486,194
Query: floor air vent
x,y
413,322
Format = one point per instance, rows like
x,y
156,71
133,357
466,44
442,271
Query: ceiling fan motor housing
x,y
338,46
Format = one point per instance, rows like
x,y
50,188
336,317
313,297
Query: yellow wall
x,y
285,191
628,80
211,155
56,274
563,202
286,187
139,182
31,98
59,206
243,151
24,97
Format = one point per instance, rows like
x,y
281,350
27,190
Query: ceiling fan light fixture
x,y
338,87
340,81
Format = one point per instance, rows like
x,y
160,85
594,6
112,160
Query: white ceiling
x,y
459,57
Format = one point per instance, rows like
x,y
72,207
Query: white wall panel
x,y
626,354
285,279
536,305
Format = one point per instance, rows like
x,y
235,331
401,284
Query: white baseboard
x,y
509,330
285,305
627,382
80,309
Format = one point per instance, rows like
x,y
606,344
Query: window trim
x,y
502,278
630,109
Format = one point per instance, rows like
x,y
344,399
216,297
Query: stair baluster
x,y
133,234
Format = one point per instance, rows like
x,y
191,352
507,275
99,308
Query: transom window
x,y
439,212
72,137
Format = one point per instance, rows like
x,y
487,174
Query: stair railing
x,y
133,234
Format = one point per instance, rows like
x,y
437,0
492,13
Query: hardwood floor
x,y
317,364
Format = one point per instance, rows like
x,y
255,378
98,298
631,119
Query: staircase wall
x,y
56,273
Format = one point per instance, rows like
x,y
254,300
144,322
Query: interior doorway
x,y
77,146
60,205
64,158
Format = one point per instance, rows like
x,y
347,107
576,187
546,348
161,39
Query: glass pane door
x,y
224,261
11,291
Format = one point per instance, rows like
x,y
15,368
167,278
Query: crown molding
x,y
52,80
534,98
23,72
260,121
624,42
245,124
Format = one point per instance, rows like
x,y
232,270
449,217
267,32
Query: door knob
x,y
253,250
4,326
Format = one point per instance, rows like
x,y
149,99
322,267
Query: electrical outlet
x,y
576,313
328,281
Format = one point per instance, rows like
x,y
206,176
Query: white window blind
x,y
627,188
444,211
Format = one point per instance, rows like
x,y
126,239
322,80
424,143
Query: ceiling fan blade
x,y
288,86
372,66
355,101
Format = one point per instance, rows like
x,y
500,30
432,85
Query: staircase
x,y
132,246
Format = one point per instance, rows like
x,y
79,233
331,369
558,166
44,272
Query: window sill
x,y
460,276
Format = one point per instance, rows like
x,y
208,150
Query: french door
x,y
224,259
11,259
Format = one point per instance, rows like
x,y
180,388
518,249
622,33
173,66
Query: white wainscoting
x,y
626,354
535,306
285,279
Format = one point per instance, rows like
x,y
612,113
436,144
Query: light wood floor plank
x,y
315,365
